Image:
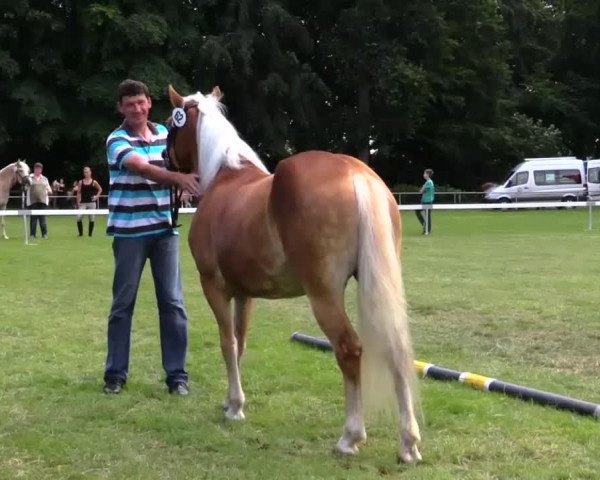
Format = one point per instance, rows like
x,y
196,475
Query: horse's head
x,y
22,172
182,149
203,141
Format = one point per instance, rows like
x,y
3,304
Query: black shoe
x,y
179,388
113,387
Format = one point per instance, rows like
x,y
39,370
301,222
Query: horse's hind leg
x,y
329,312
220,303
409,428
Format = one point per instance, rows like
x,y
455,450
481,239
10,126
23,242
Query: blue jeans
x,y
130,257
37,218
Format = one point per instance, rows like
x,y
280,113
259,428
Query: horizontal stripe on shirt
x,y
164,227
137,143
139,208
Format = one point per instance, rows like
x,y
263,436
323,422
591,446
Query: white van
x,y
535,179
593,179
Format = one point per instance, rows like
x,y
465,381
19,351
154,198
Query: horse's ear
x,y
176,98
216,92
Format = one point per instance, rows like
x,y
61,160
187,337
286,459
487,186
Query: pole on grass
x,y
481,382
24,215
590,210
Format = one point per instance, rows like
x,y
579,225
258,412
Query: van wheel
x,y
504,200
567,200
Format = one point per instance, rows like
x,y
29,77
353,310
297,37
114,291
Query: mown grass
x,y
510,295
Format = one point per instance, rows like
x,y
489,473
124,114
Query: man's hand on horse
x,y
189,182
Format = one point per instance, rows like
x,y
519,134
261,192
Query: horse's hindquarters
x,y
313,205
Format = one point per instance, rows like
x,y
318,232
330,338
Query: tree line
x,y
467,88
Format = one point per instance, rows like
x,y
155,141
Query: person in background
x,y
61,192
88,193
37,199
427,192
72,195
140,221
55,194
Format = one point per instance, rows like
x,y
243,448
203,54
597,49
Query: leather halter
x,y
175,193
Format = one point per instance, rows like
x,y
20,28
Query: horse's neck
x,y
7,180
237,177
7,177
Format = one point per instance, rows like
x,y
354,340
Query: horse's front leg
x,y
220,303
4,229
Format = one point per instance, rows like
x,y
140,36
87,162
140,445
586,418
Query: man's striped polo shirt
x,y
137,206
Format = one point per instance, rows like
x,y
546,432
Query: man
x,y
140,221
427,192
37,199
88,193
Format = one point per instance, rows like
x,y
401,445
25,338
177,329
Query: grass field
x,y
511,295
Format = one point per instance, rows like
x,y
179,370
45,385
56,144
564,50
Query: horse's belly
x,y
259,283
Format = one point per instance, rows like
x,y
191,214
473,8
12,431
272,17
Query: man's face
x,y
135,109
37,170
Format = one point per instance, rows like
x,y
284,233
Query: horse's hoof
x,y
225,405
346,447
236,416
410,456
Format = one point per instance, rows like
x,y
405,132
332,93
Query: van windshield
x,y
594,175
508,177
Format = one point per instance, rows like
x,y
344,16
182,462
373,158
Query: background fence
x,y
403,198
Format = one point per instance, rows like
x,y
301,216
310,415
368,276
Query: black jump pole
x,y
481,382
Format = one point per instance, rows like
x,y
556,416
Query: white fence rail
x,y
448,206
442,206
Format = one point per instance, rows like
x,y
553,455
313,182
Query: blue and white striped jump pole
x,y
481,382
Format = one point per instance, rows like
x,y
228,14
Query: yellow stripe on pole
x,y
476,381
422,367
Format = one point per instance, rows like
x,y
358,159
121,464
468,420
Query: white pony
x,y
17,172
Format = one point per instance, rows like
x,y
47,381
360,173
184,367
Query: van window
x,y
522,178
594,175
557,177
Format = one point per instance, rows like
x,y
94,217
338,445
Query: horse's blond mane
x,y
218,141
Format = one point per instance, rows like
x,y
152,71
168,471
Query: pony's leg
x,y
4,229
242,310
220,303
410,438
331,316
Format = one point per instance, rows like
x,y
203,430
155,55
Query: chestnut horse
x,y
320,219
17,172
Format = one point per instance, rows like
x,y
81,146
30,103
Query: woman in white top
x,y
37,199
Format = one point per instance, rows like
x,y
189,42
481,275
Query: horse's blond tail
x,y
383,323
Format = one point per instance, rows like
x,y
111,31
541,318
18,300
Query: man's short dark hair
x,y
131,88
38,164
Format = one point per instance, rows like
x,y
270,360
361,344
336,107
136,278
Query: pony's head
x,y
202,140
22,172
182,143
